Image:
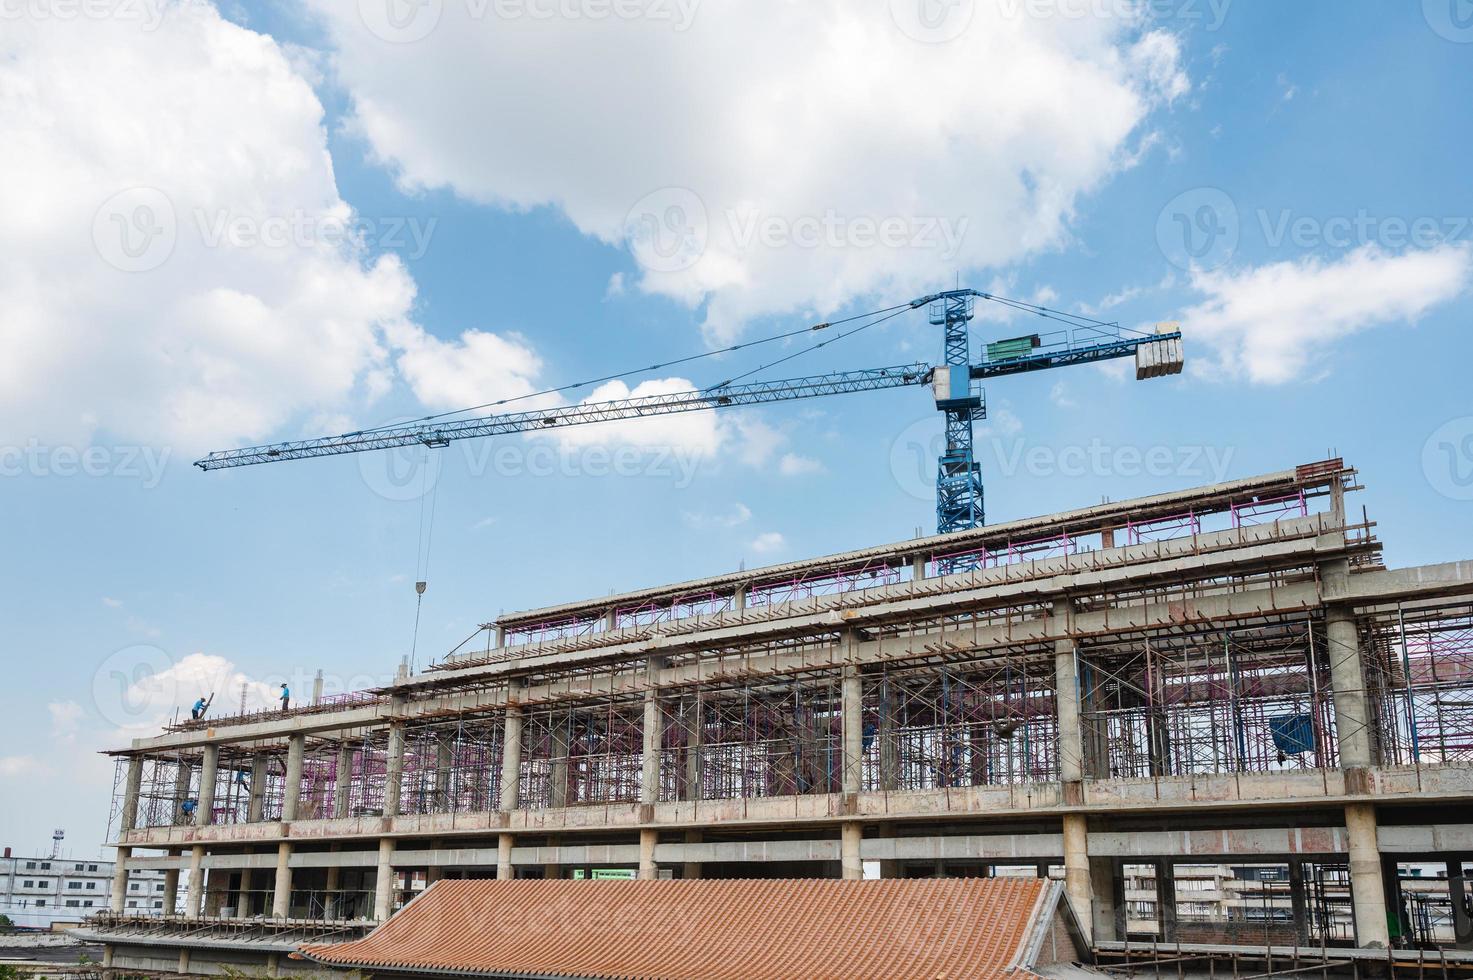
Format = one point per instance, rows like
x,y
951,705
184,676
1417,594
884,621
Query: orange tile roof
x,y
938,929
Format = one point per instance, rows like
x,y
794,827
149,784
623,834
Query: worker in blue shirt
x,y
286,697
198,711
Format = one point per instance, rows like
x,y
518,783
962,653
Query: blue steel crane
x,y
959,496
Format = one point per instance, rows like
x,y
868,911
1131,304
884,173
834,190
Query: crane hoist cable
x,y
431,493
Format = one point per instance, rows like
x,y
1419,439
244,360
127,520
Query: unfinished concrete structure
x,y
1221,675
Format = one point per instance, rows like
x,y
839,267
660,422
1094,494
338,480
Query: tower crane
x,y
954,383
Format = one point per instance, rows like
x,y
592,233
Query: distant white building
x,y
40,892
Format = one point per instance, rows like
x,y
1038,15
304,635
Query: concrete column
x,y
889,741
511,758
444,759
504,869
853,719
694,725
383,898
291,793
1457,893
331,902
552,869
184,961
317,688
394,769
256,809
1297,899
1367,886
342,783
243,899
654,735
1348,682
851,867
195,900
132,789
739,598
1077,885
1108,900
120,880
1166,899
281,900
557,790
648,870
183,776
691,869
171,888
205,814
1066,695
918,567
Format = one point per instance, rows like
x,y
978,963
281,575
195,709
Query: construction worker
x,y
198,711
286,697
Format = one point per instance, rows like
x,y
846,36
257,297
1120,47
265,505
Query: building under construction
x,y
1225,677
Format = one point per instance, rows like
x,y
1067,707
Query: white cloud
x,y
1272,323
12,766
1059,394
694,433
477,368
112,603
794,465
208,341
768,542
66,716
986,142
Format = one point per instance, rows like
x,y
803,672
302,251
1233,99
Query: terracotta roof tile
x,y
939,929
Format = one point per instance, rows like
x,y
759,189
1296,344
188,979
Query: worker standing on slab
x,y
286,697
198,711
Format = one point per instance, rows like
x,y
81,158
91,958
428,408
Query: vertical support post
x,y
511,758
1078,887
317,687
852,714
204,814
1457,893
1348,684
291,793
851,867
557,788
1367,886
692,869
444,759
504,869
1297,905
648,869
694,733
183,776
331,902
500,637
1166,899
196,894
654,731
918,567
739,598
243,901
132,789
171,887
120,880
281,901
383,884
394,769
256,808
342,783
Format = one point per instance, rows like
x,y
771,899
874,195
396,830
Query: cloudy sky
x,y
227,223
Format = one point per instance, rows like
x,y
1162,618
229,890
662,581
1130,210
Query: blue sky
x,y
1287,180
